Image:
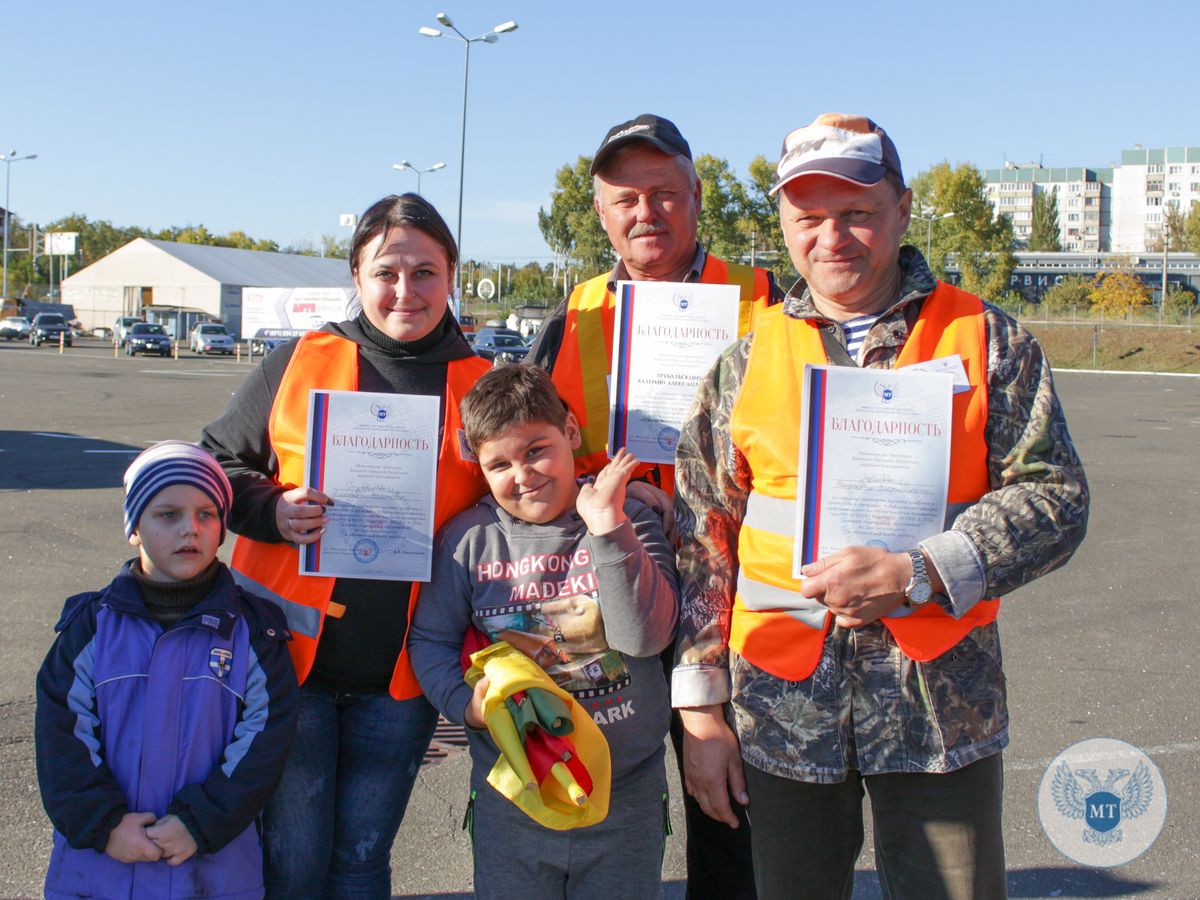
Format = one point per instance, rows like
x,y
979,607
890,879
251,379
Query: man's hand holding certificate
x,y
872,476
375,456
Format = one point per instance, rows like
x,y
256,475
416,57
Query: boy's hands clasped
x,y
601,504
143,837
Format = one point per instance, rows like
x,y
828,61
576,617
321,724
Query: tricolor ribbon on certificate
x,y
874,459
318,414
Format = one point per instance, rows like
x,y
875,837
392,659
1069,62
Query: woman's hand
x,y
300,514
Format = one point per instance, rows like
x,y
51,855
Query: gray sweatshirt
x,y
594,611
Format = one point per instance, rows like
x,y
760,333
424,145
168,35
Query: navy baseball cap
x,y
660,133
849,147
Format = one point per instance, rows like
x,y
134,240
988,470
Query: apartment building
x,y
1121,209
1084,202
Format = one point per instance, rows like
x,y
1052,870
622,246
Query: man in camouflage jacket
x,y
923,738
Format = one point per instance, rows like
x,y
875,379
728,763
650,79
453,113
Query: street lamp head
x,y
403,164
505,28
437,166
444,19
429,32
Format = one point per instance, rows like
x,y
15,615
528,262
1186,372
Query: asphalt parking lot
x,y
1103,648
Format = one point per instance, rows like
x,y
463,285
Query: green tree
x,y
720,223
761,217
532,282
1074,291
1176,221
332,247
976,241
1115,293
1191,228
1043,235
1179,301
571,227
195,234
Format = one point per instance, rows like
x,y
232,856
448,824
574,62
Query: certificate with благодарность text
x,y
874,459
375,456
666,337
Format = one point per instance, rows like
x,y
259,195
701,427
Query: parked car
x,y
263,346
211,337
499,345
121,328
146,338
48,327
14,327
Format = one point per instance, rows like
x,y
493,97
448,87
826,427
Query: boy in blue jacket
x,y
166,706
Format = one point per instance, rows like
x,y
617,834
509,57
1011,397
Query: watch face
x,y
920,593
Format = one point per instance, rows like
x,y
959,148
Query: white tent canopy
x,y
183,282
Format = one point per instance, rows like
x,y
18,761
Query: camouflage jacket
x,y
867,706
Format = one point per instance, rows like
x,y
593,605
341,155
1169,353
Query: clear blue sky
x,y
274,117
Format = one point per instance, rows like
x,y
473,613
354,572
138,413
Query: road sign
x,y
486,289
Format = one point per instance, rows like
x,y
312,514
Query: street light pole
x,y
929,220
405,164
8,159
488,38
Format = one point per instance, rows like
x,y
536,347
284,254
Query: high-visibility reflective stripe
x,y
767,598
301,619
771,514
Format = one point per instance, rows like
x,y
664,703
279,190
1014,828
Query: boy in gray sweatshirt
x,y
581,578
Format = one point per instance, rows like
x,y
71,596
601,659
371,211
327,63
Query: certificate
x,y
375,456
667,336
874,459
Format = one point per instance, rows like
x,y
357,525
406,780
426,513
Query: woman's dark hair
x,y
403,211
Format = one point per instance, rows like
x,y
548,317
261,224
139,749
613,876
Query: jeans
x,y
328,828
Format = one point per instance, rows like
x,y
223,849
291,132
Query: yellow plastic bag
x,y
509,671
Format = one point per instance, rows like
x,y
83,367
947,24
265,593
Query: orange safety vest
x,y
773,626
329,362
584,362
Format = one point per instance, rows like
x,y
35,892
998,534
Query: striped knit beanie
x,y
174,462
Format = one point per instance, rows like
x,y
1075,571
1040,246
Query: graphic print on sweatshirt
x,y
553,617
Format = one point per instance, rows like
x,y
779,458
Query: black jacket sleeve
x,y
544,352
241,444
79,791
234,793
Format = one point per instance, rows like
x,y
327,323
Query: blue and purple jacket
x,y
196,720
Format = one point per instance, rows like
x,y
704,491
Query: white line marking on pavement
x,y
191,374
55,434
1016,765
1124,372
112,451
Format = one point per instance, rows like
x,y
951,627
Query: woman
x,y
364,727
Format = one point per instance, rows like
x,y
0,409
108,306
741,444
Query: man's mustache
x,y
645,228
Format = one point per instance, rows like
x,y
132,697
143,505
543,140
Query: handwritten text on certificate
x,y
874,459
375,455
666,337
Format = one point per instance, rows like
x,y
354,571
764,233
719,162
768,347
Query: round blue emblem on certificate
x,y
668,438
366,551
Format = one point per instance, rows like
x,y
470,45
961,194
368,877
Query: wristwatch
x,y
919,591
